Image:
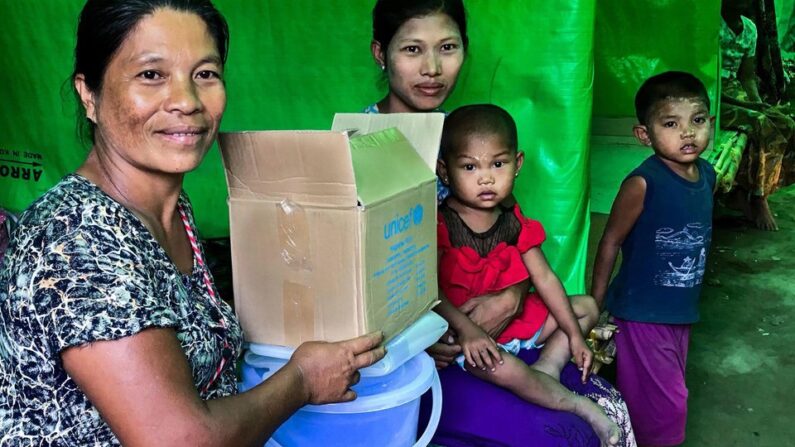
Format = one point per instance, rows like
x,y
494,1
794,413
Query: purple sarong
x,y
477,413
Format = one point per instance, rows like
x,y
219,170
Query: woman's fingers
x,y
365,349
330,369
443,354
348,396
363,343
366,359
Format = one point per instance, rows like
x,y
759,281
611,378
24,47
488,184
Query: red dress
x,y
464,274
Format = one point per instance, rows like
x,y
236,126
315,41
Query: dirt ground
x,y
741,364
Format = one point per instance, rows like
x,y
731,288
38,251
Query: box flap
x,y
310,167
374,157
423,130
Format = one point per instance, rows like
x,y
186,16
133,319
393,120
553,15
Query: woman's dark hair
x,y
105,24
390,15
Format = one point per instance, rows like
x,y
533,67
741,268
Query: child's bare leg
x,y
541,389
556,353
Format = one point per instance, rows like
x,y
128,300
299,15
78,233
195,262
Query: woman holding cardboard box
x,y
111,330
420,46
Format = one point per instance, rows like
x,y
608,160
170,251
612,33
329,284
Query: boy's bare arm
x,y
623,215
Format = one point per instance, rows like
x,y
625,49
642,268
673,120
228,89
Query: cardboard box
x,y
333,233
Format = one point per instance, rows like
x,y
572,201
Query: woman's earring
x,y
383,67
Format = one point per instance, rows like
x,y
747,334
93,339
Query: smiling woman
x,y
157,112
111,328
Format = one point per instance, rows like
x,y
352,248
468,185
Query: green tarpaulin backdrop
x,y
293,64
785,22
635,40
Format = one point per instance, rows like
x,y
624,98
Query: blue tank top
x,y
664,255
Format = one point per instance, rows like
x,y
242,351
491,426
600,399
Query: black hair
x,y
105,24
664,86
390,15
477,119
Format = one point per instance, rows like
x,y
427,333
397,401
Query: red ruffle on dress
x,y
464,274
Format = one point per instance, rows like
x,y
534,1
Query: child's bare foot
x,y
606,429
761,214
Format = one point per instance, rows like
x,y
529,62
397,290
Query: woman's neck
x,y
151,196
390,104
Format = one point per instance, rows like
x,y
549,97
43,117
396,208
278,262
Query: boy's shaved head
x,y
666,86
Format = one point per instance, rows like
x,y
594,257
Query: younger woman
x,y
485,247
420,47
419,44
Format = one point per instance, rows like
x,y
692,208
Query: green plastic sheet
x,y
785,22
637,39
293,64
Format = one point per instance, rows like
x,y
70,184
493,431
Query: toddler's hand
x,y
480,350
582,356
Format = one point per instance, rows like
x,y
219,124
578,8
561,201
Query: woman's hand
x,y
480,350
494,312
445,350
582,356
328,370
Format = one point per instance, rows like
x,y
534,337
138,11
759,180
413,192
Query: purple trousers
x,y
477,413
651,374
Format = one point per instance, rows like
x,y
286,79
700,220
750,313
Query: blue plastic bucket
x,y
385,413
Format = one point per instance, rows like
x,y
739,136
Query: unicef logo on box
x,y
403,222
416,212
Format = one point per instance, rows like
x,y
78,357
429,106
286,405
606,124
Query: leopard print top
x,y
83,268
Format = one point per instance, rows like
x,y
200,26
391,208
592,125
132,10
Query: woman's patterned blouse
x,y
82,268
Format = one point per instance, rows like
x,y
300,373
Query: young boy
x,y
662,222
